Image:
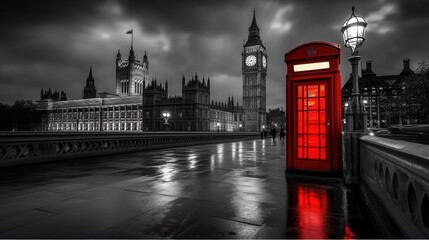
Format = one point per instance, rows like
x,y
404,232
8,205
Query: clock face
x,y
251,60
264,62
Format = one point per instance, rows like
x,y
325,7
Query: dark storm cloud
x,y
52,43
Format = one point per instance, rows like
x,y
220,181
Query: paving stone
x,y
219,228
22,219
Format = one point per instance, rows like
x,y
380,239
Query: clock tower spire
x,y
254,71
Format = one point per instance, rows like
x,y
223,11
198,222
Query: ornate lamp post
x,y
354,35
166,116
353,31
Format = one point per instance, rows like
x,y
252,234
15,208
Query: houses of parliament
x,y
140,104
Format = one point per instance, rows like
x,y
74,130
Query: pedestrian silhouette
x,y
273,133
282,133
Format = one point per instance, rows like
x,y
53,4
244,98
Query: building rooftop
x,y
90,102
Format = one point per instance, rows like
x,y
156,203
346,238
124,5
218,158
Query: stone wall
x,y
17,148
394,178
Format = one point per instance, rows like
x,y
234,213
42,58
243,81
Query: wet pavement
x,y
229,190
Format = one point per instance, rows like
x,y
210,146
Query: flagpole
x,y
132,36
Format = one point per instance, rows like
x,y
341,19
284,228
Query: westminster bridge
x,y
202,185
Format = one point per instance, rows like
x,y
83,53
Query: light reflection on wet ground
x,y
228,190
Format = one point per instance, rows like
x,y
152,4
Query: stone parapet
x,y
18,148
394,178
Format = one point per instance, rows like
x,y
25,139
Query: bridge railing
x,y
394,177
17,148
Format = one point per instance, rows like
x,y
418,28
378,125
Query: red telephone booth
x,y
313,103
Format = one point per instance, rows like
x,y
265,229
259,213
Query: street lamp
x,y
166,116
218,126
353,31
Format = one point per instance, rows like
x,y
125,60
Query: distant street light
x,y
166,116
346,106
218,126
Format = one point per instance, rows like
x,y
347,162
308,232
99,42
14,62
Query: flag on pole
x,y
130,32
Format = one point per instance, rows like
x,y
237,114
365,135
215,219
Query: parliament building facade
x,y
140,104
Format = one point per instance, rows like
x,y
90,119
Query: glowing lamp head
x,y
218,124
354,31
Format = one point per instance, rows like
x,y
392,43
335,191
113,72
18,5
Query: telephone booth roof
x,y
314,50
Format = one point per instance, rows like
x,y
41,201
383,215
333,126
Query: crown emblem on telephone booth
x,y
311,52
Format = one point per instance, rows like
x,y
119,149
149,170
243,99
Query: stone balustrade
x,y
17,148
394,178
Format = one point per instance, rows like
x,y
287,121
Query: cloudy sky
x,y
52,43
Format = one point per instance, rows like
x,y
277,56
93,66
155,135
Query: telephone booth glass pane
x,y
322,90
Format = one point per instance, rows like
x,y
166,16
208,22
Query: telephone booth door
x,y
313,117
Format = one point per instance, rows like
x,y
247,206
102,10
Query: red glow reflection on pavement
x,y
312,209
350,234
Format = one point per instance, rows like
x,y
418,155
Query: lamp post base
x,y
351,156
357,126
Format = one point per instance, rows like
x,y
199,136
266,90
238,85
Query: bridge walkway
x,y
228,190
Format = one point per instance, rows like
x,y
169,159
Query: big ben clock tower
x,y
254,69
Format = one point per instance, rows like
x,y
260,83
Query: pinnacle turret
x,y
131,57
90,75
254,38
90,91
254,25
